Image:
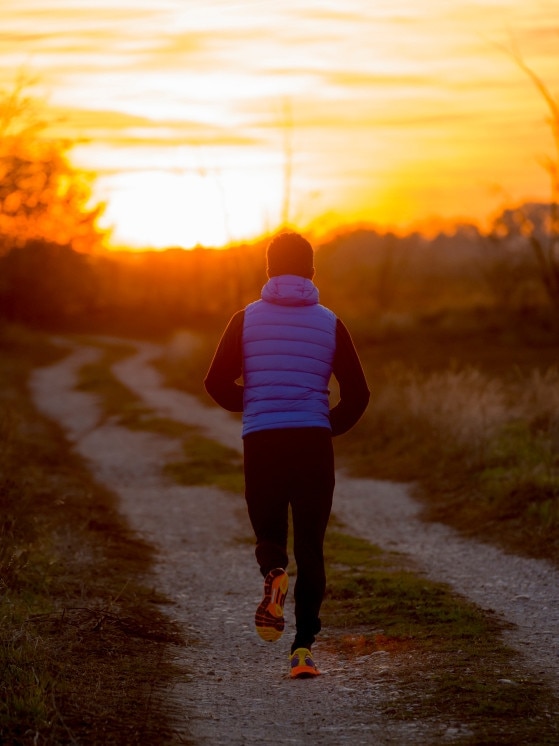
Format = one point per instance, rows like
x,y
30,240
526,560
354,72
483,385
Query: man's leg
x,y
292,465
268,506
311,502
267,498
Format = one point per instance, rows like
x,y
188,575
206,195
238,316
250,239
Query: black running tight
x,y
294,466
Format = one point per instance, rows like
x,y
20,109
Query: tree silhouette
x,y
42,196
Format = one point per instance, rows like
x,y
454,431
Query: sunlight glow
x,y
158,209
212,122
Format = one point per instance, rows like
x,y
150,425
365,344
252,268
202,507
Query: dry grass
x,y
484,450
84,647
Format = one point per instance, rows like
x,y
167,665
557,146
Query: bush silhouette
x,y
46,284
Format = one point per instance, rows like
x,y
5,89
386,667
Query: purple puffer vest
x,y
289,341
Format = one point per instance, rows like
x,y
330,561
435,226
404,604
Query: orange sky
x,y
210,121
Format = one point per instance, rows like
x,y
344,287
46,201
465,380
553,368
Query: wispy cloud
x,y
120,128
373,88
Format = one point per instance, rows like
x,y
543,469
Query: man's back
x,y
289,341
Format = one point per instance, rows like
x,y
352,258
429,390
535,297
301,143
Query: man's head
x,y
290,254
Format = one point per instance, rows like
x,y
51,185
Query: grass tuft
x,y
366,584
208,462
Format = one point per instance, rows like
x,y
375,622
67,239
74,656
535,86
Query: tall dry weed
x,y
465,416
446,411
485,448
537,400
468,405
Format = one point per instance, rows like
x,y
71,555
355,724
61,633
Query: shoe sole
x,y
269,619
304,672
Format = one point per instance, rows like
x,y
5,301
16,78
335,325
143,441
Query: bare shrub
x,y
449,410
469,416
538,397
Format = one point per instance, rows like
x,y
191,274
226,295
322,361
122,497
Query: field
x,y
464,408
82,630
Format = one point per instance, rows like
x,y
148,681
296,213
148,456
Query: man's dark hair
x,y
290,254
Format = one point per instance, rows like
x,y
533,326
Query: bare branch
x,y
542,88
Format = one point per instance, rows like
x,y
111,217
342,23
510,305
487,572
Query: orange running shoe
x,y
302,664
269,619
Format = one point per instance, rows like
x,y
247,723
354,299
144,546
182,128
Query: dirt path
x,y
236,688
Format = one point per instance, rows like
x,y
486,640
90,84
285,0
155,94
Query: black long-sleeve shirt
x,y
227,366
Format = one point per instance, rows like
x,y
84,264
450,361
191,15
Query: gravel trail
x,y
236,688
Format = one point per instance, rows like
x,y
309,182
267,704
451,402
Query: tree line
x,y
56,273
364,275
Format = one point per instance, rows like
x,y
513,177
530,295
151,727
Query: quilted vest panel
x,y
287,362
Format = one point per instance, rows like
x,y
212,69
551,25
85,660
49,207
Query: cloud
x,y
118,128
144,84
74,36
356,79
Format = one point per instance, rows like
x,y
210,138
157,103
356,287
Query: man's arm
x,y
227,366
354,392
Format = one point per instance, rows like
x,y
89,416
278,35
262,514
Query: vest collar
x,y
290,290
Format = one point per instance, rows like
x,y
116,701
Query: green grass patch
x,y
185,360
521,475
510,496
208,462
448,654
367,585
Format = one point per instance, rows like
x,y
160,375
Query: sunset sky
x,y
210,121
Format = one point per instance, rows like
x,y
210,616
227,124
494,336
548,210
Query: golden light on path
x,y
209,122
